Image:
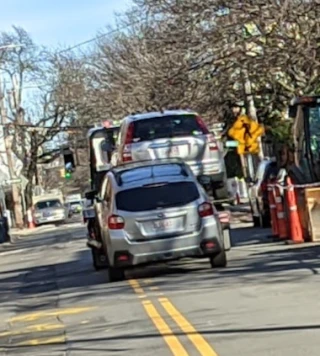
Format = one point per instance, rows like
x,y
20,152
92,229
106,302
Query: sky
x,y
57,23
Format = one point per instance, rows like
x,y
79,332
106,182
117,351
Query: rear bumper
x,y
216,170
48,220
207,241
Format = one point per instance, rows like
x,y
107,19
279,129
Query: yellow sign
x,y
246,131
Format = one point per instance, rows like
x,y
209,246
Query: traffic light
x,y
69,164
68,175
68,159
65,173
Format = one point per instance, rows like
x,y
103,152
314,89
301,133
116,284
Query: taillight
x,y
115,222
129,136
202,125
205,209
212,143
126,154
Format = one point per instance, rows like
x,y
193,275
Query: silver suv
x,y
168,134
156,210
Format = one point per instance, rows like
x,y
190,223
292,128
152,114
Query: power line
x,y
96,38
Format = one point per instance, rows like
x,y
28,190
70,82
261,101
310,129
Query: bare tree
x,y
35,116
204,53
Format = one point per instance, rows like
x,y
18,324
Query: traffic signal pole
x,y
251,108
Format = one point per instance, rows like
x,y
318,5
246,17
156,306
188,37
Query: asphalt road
x,y
265,303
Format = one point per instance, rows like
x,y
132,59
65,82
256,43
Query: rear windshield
x,y
167,126
163,195
48,204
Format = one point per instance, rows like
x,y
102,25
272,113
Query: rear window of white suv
x,y
159,195
168,126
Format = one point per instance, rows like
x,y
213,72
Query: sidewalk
x,y
35,231
18,234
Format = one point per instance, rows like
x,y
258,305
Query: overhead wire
x,y
96,38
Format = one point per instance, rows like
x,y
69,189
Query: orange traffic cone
x,y
296,234
31,224
282,224
273,211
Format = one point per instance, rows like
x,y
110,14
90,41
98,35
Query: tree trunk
x,y
28,194
18,214
31,171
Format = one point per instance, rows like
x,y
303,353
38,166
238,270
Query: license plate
x,y
174,151
163,225
47,214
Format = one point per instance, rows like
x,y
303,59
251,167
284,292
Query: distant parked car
x,y
76,206
49,211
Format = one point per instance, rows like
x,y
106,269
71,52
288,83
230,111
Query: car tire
x,y
219,260
265,221
98,264
256,221
115,274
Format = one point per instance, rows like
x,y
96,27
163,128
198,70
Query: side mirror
x,y
91,195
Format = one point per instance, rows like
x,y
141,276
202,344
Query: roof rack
x,y
118,178
157,161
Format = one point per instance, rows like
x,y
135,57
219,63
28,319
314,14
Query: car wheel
x,y
265,220
256,221
219,260
115,274
99,260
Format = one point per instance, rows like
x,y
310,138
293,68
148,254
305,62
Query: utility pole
x,y
250,105
252,112
8,148
14,186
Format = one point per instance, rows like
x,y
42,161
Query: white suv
x,y
173,134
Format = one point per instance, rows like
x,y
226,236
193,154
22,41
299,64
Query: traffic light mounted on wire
x,y
246,132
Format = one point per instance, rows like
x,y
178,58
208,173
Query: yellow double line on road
x,y
169,337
